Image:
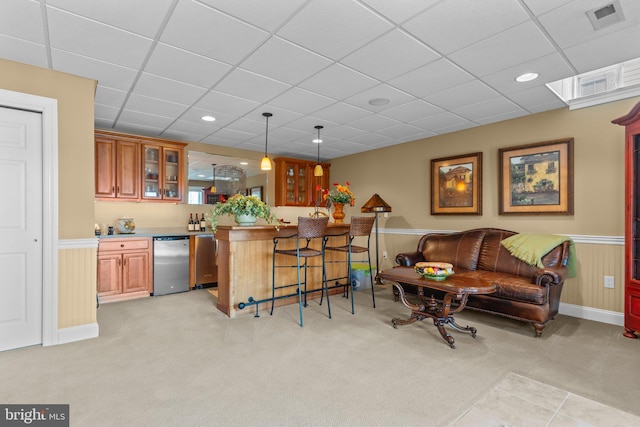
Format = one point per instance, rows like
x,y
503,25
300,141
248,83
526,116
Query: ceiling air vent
x,y
605,16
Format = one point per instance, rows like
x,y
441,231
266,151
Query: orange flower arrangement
x,y
341,194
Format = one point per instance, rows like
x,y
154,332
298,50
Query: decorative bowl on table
x,y
125,225
434,270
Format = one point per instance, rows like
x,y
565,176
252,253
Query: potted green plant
x,y
245,209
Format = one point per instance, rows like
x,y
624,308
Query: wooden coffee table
x,y
456,292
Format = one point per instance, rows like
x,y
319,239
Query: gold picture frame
x,y
537,178
456,185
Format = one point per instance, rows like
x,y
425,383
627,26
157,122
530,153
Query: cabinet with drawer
x,y
124,268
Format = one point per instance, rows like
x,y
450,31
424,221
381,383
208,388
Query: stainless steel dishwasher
x,y
170,264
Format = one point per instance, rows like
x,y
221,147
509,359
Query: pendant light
x,y
265,164
213,181
317,171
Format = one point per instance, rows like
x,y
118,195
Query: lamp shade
x,y
317,171
265,164
375,204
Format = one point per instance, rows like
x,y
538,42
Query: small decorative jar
x,y
125,225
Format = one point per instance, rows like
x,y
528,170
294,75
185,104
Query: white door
x,y
20,228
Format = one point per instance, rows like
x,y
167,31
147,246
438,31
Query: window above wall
x,y
599,86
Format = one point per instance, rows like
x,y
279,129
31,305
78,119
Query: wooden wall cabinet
x,y
130,167
295,183
632,222
125,269
117,168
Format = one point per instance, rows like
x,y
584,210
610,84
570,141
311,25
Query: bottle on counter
x,y
203,223
191,226
196,224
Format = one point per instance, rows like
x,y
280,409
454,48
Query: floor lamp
x,y
376,205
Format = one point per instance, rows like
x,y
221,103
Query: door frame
x,y
48,107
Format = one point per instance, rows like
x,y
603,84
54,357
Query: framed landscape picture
x,y
456,185
537,178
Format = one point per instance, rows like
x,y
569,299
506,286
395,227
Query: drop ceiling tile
x,y
371,139
283,61
94,40
341,132
431,78
391,55
211,33
413,110
251,126
456,127
194,115
163,88
488,108
200,130
220,102
605,50
106,112
522,43
23,51
569,25
177,64
531,98
400,10
176,135
501,117
137,129
439,121
403,132
288,134
451,25
158,122
463,95
139,16
301,101
538,7
334,28
338,82
549,68
22,19
373,123
553,105
228,137
244,84
281,116
107,74
111,97
258,12
104,124
394,96
155,106
341,113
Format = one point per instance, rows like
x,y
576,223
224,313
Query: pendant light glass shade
x,y
213,181
317,171
265,164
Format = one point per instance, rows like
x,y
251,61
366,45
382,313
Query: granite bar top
x,y
154,232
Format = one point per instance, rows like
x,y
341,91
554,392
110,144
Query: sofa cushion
x,y
512,287
460,249
495,257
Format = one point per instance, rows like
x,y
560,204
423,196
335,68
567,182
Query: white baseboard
x,y
78,333
588,313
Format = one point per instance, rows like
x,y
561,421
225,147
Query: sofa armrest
x,y
551,276
409,259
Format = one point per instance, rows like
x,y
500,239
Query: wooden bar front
x,y
245,263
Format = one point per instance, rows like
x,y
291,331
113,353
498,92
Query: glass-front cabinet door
x,y
152,189
171,174
161,173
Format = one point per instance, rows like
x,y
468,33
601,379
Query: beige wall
x,y
401,176
75,96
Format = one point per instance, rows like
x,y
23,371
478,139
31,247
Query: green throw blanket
x,y
530,248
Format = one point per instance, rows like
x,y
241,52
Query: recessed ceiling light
x,y
208,118
378,101
526,77
244,163
316,141
200,176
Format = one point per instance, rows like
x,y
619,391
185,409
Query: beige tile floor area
x,y
518,401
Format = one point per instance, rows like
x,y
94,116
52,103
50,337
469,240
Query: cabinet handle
x,y
118,189
122,245
113,188
119,262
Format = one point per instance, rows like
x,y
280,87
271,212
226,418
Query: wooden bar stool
x,y
308,229
360,226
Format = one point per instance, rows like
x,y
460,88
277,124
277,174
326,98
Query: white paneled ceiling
x,y
442,65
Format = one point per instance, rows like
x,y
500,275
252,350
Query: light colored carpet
x,y
175,360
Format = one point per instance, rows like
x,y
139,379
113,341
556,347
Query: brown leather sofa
x,y
523,292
